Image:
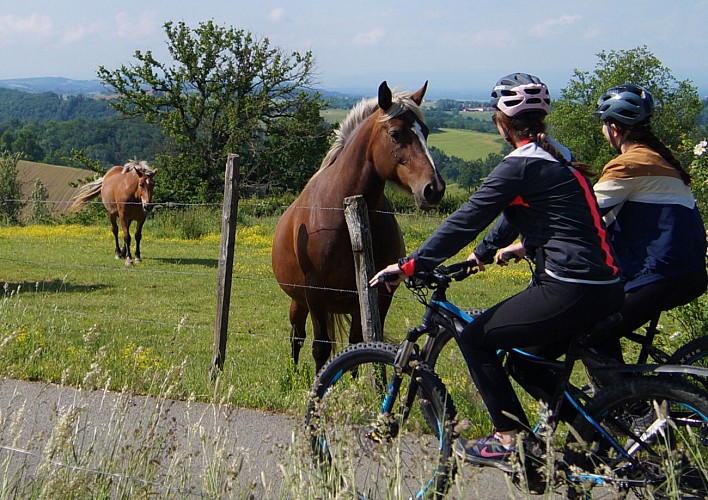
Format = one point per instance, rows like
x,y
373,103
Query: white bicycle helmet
x,y
520,92
627,104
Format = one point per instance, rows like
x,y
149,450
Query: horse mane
x,y
137,165
402,102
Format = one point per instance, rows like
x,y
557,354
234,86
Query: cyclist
x,y
651,215
550,204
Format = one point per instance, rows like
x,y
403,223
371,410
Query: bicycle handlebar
x,y
445,274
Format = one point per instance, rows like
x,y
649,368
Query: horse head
x,y
146,183
400,151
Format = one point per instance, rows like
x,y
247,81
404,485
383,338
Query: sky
x,y
461,47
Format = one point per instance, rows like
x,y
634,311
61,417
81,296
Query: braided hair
x,y
532,125
643,134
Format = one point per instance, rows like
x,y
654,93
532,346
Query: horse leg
x,y
114,228
138,237
298,317
355,329
125,226
322,341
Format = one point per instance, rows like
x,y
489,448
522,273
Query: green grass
x,y
75,315
466,144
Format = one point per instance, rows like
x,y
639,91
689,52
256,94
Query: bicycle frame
x,y
442,314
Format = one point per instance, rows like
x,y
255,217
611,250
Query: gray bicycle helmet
x,y
519,92
627,104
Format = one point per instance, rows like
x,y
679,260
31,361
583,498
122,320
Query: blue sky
x,y
460,46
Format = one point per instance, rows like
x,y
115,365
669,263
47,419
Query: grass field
x,y
78,316
466,144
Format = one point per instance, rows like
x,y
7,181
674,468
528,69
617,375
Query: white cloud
x,y
371,37
145,24
79,33
22,30
276,15
549,27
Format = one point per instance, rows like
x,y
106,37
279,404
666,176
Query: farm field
x,y
55,178
466,144
77,316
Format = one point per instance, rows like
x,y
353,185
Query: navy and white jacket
x,y
652,218
550,205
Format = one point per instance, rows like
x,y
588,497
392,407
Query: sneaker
x,y
485,451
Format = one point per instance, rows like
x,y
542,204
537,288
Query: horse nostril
x,y
434,192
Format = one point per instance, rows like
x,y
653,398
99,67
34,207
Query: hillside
x,y
55,178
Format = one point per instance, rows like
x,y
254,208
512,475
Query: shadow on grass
x,y
8,287
189,262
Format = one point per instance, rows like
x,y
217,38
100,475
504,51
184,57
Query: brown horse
x,y
126,192
380,140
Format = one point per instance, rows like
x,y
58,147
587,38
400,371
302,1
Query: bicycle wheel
x,y
695,353
362,452
648,435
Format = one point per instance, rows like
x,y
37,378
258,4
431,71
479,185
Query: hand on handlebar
x,y
476,262
504,255
391,276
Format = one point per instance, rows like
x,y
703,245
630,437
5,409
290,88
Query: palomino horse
x,y
380,140
126,192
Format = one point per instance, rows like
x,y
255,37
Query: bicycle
x,y
370,440
693,353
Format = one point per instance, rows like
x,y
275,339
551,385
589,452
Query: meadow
x,y
466,144
72,314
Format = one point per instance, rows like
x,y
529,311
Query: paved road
x,y
49,427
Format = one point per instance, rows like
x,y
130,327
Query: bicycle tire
x,y
360,452
670,459
694,353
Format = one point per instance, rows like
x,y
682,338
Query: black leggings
x,y
640,306
543,317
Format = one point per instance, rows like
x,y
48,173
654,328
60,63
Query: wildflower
x,y
700,148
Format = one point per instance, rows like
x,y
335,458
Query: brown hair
x,y
532,125
643,134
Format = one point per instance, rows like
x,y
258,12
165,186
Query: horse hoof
x,y
128,262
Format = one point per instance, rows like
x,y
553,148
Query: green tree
x,y
39,210
677,104
10,188
226,92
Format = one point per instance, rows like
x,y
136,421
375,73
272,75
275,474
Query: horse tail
x,y
85,193
338,329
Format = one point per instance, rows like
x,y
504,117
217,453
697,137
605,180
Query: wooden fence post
x,y
226,262
357,217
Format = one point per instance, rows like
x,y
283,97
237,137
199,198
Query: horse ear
x,y
385,98
418,96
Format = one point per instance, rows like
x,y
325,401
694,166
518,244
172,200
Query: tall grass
x,y
73,315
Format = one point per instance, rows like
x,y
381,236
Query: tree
x,y
39,210
677,104
226,92
10,188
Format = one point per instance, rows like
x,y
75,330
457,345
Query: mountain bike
x,y
382,424
693,353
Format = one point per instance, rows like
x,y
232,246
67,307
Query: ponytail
x,y
532,125
643,134
583,168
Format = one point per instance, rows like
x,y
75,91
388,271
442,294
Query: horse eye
x,y
394,135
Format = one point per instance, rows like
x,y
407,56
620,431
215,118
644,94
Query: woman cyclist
x,y
652,219
548,203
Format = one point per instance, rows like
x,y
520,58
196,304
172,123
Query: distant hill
x,y
55,178
58,85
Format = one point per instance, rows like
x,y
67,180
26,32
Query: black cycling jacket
x,y
550,205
